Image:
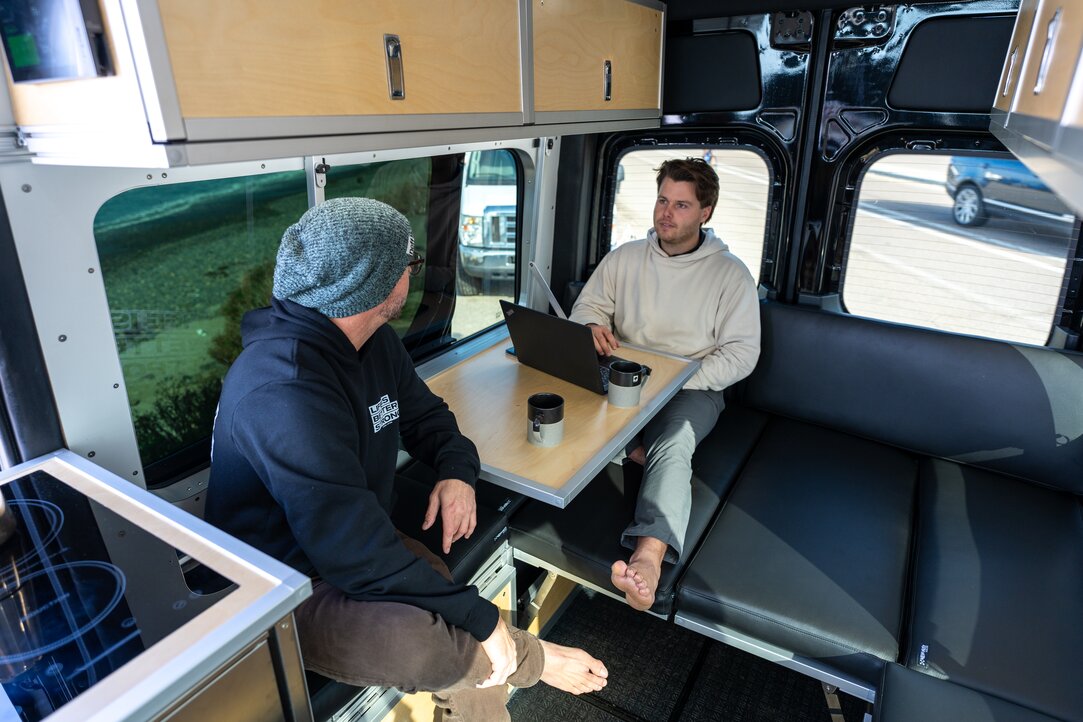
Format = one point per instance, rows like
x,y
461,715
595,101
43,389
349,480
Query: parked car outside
x,y
983,186
487,220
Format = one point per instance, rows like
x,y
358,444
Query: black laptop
x,y
557,346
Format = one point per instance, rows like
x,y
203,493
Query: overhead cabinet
x,y
595,59
1037,109
197,81
211,70
306,67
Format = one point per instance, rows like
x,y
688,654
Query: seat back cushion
x,y
998,587
1013,409
907,696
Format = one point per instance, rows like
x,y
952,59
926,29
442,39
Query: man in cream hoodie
x,y
678,290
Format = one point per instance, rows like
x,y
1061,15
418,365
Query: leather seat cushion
x,y
998,587
907,696
584,538
810,552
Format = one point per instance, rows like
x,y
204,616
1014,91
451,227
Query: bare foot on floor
x,y
571,669
638,455
638,581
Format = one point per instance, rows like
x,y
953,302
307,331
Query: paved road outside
x,y
473,313
910,262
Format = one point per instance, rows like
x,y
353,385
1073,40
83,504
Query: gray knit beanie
x,y
343,256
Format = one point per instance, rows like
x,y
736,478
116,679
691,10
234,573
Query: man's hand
x,y
501,650
453,499
604,340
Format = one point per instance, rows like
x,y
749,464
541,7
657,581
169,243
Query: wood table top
x,y
488,394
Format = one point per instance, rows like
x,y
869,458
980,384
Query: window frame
x,y
1066,329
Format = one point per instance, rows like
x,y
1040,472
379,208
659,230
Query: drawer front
x,y
573,39
298,58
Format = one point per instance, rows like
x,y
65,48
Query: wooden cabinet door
x,y
573,40
1017,50
1051,60
308,58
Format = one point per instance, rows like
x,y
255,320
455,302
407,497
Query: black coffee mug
x,y
545,414
626,379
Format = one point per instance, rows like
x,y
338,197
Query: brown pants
x,y
389,644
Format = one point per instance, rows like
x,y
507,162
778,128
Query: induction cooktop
x,y
103,589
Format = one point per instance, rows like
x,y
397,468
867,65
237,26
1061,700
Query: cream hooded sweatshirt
x,y
701,304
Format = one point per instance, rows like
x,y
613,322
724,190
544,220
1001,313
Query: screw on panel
x,y
62,338
91,454
26,188
116,386
90,270
149,176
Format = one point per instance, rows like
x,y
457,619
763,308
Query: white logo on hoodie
x,y
383,412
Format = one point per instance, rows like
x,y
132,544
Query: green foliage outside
x,y
183,263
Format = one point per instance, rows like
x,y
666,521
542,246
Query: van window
x,y
488,236
182,263
490,168
973,244
739,219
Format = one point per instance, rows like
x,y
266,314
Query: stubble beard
x,y
392,308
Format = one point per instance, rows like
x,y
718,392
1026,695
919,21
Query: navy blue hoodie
x,y
304,452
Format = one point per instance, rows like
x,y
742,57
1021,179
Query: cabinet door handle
x,y
396,82
1047,52
607,80
1009,77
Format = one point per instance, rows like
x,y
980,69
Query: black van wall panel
x,y
715,72
952,64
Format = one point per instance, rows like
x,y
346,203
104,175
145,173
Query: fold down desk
x,y
488,393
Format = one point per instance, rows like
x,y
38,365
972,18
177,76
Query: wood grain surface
x,y
573,39
252,58
1049,104
488,394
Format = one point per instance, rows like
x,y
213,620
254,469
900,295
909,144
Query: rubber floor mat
x,y
659,672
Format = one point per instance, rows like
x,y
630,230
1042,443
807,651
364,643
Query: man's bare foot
x,y
571,669
638,455
638,581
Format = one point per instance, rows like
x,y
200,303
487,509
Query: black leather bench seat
x,y
998,590
908,696
810,552
584,539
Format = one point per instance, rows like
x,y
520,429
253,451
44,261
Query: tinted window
x,y
971,244
183,262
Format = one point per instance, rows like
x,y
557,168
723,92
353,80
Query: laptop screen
x,y
556,346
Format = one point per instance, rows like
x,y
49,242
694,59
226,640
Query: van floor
x,y
660,672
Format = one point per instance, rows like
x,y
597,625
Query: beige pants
x,y
389,644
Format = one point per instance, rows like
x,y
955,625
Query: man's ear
x,y
705,214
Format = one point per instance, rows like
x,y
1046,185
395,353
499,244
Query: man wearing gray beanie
x,y
304,455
